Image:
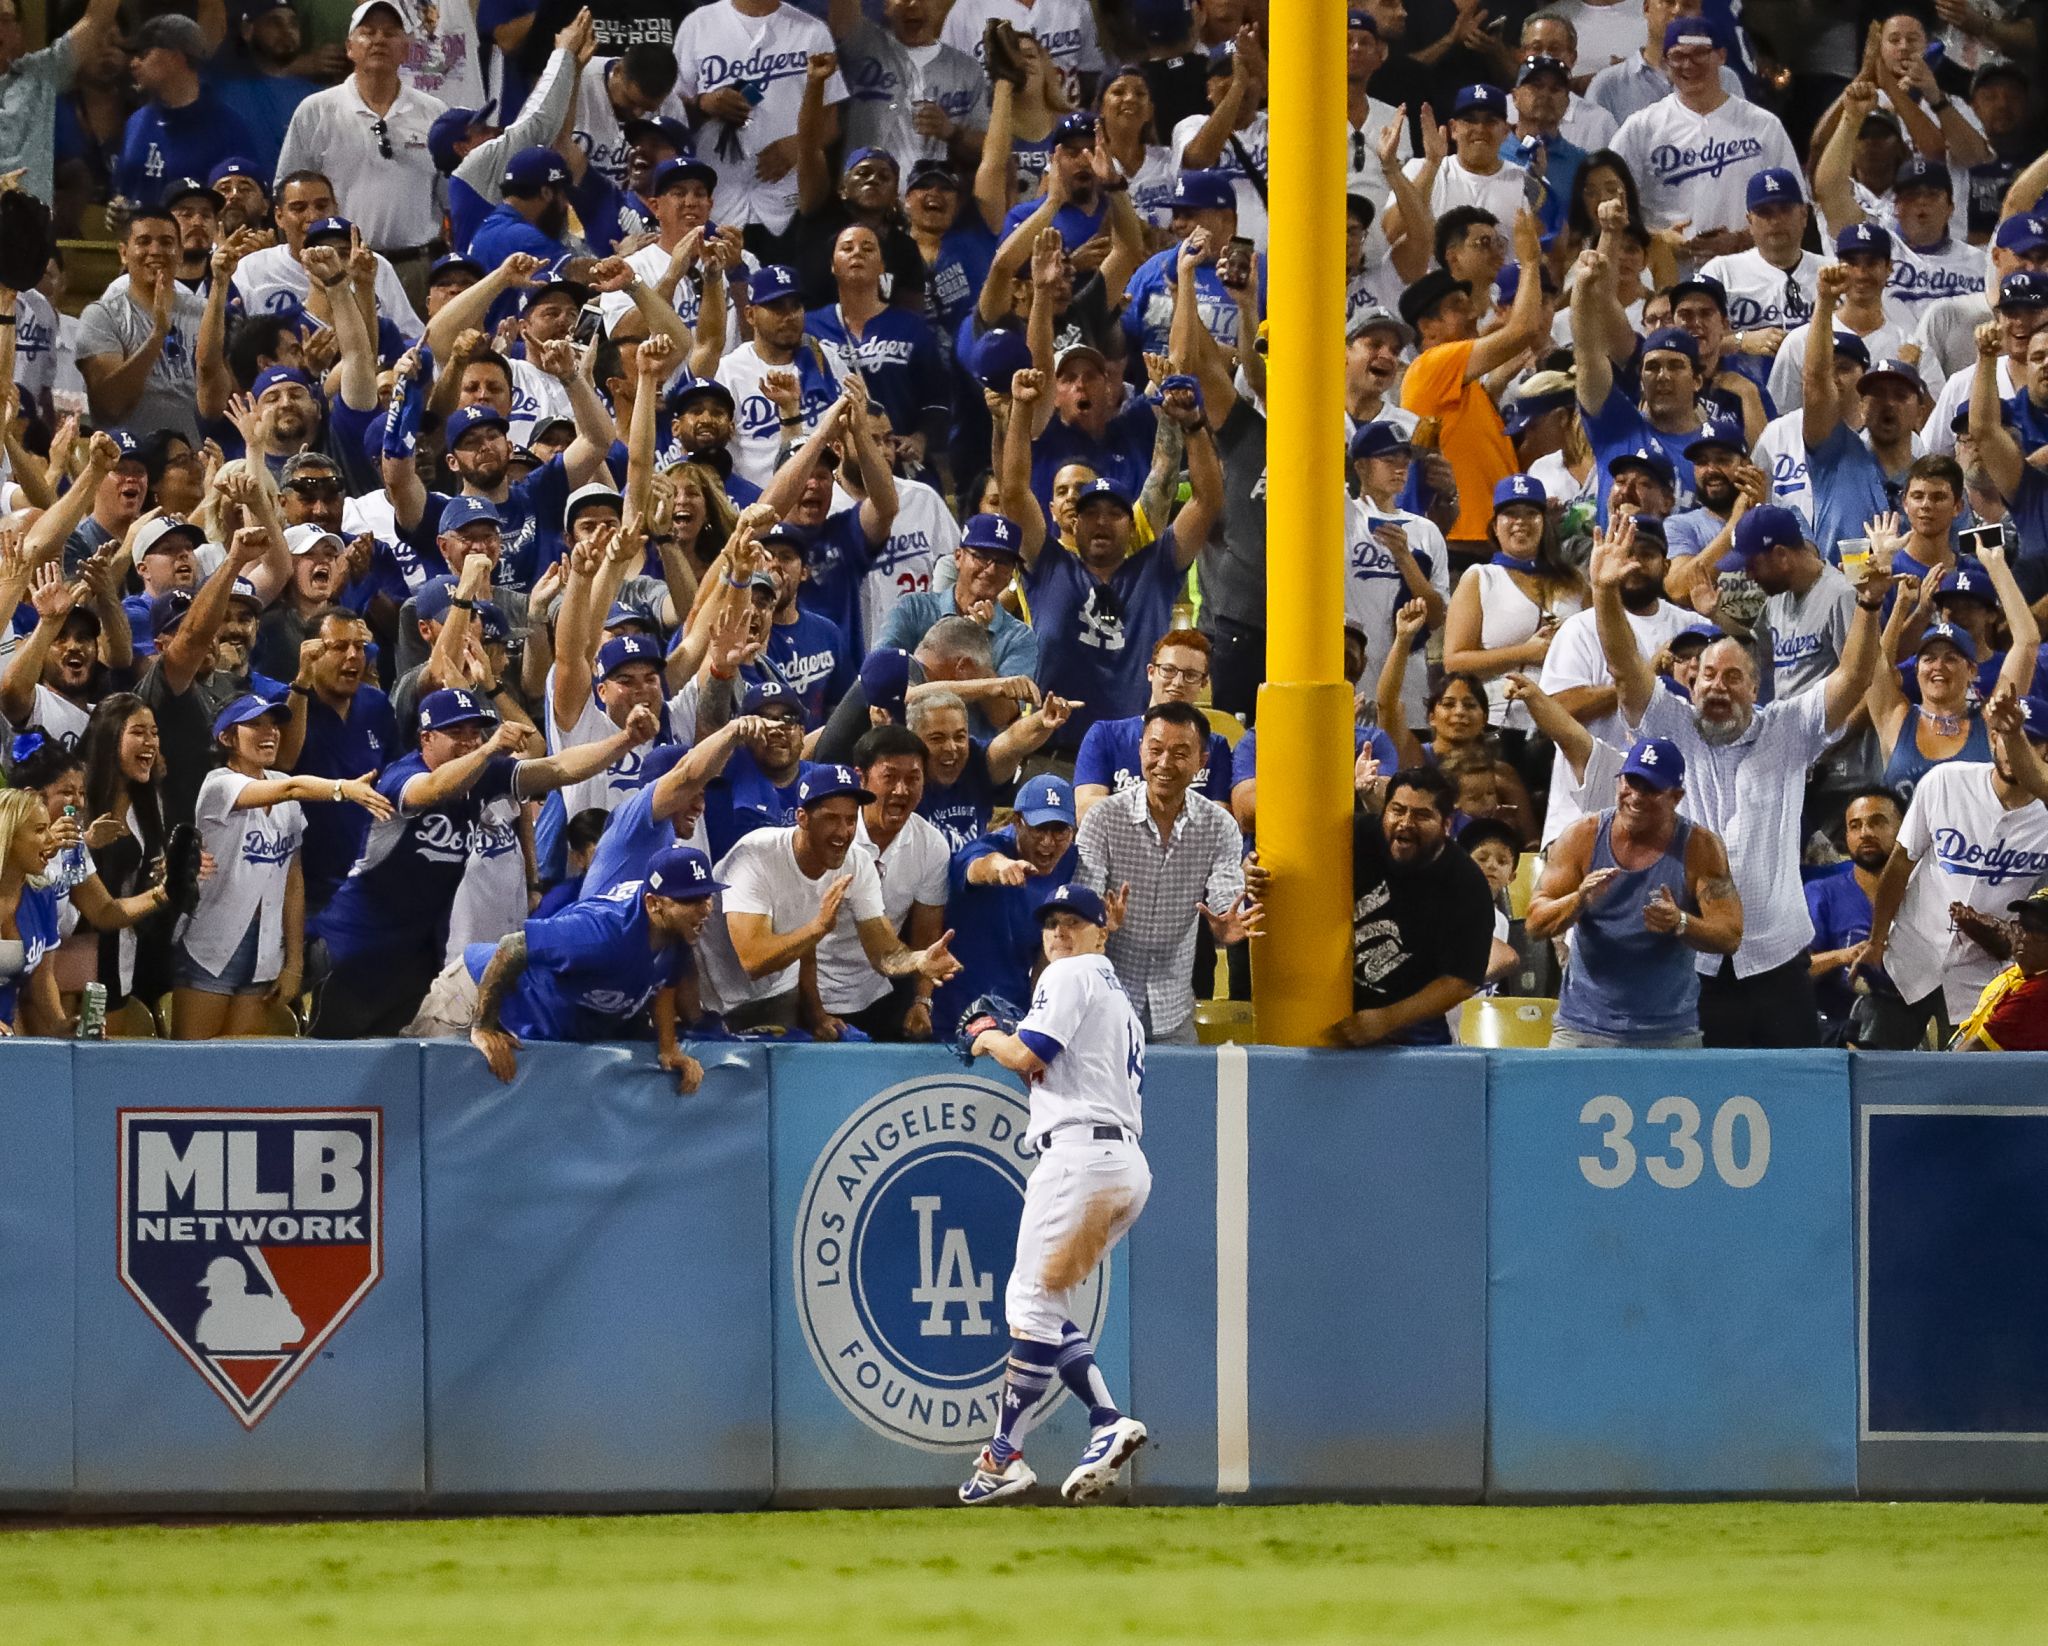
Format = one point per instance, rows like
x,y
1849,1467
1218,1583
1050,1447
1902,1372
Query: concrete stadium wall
x,y
1450,1276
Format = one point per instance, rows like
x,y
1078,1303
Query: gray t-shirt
x,y
1808,632
1948,336
1234,573
28,114
887,82
116,325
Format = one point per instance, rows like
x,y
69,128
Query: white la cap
x,y
306,537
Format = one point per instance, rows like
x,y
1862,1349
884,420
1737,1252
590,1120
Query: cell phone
x,y
1974,540
1234,267
589,324
753,91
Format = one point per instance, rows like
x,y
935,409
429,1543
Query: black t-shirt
x,y
184,730
1411,925
819,232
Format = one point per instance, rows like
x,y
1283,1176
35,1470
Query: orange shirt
x,y
1472,439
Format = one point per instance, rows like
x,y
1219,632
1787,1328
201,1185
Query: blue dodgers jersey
x,y
1244,764
836,557
35,919
588,969
1619,426
897,356
335,747
1096,637
1109,756
817,661
402,888
995,929
741,800
532,512
1123,454
960,810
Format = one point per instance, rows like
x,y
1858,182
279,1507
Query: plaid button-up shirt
x,y
1202,860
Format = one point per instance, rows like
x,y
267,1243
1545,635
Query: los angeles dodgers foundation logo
x,y
250,1235
904,1239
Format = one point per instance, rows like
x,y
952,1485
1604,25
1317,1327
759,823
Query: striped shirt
x,y
1750,792
1201,861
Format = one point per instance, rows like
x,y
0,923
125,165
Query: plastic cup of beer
x,y
1855,552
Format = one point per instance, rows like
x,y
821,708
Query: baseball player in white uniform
x,y
1082,1050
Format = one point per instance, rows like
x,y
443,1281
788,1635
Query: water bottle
x,y
71,869
92,1013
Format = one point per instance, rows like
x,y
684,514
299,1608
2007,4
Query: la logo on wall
x,y
250,1235
904,1239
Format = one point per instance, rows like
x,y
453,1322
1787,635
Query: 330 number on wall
x,y
1739,1141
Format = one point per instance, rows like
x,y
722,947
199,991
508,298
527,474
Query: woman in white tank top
x,y
1505,611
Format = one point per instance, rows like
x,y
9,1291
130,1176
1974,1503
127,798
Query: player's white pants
x,y
1081,1201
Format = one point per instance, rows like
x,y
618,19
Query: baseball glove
x,y
1004,56
181,868
988,1011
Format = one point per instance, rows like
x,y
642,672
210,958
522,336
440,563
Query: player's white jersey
x,y
1082,1026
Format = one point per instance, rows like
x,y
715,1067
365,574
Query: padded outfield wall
x,y
264,1276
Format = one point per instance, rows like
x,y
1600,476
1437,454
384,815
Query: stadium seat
x,y
1505,1020
1221,1021
132,1020
1528,870
1225,725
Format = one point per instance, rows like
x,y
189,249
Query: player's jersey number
x,y
1739,1143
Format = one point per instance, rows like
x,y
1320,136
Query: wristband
x,y
1684,920
463,605
6,319
732,582
789,422
719,674
1866,606
303,691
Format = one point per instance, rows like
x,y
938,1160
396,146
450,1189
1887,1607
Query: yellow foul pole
x,y
1302,967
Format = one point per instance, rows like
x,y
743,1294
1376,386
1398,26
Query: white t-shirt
x,y
761,876
1560,485
597,130
1697,167
1251,209
1575,659
272,281
610,787
718,46
1374,590
1966,848
1503,192
1758,291
1609,33
252,858
56,716
490,903
1065,28
757,424
535,396
1788,385
923,534
444,63
911,871
1096,1073
1936,434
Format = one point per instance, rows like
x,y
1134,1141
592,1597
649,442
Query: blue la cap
x,y
188,188
1897,371
1356,19
168,610
1775,186
1543,63
554,277
2034,714
1864,240
785,534
1762,530
2023,289
993,534
624,650
454,260
1951,635
2024,233
1078,127
1969,579
1519,411
1203,191
1509,281
1045,800
270,376
828,782
926,174
1851,347
774,282
681,872
459,512
1654,460
873,152
493,622
1707,286
770,694
330,228
1075,900
449,128
1100,490
240,165
1479,99
1705,633
1657,761
1720,434
689,388
1690,31
1673,340
1379,439
125,441
1520,489
998,357
1223,58
625,612
885,679
465,418
432,600
1918,172
531,170
244,709
684,168
671,131
454,706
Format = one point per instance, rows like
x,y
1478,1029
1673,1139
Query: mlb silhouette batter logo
x,y
250,1235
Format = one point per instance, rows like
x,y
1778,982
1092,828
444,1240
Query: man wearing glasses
x,y
1108,761
369,134
1770,287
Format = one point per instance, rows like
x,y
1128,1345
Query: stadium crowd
x,y
695,519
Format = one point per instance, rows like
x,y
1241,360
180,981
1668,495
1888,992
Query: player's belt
x,y
1098,1134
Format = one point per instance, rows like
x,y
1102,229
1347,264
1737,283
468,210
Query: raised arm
x,y
1189,342
1523,329
1833,191
1555,722
1850,681
1014,472
2017,671
762,951
470,308
1410,210
1998,449
1634,680
878,508
1595,378
992,178
1409,621
1822,412
586,760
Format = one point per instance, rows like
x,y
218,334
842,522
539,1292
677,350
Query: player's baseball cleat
x,y
1109,1449
992,1482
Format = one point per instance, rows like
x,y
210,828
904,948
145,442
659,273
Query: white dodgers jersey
x,y
1096,1071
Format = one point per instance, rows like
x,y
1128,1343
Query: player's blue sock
x,y
1079,1372
1030,1374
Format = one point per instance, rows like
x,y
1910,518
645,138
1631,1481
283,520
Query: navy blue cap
x,y
1720,433
465,418
993,534
1864,239
454,260
1775,186
1223,58
828,782
455,706
1101,489
998,357
270,376
2034,715
240,165
1479,99
2023,289
531,170
1074,900
555,277
449,128
770,694
772,283
1690,31
186,188
673,132
1509,281
492,621
1358,19
624,650
625,612
1519,411
872,152
1078,127
1969,579
1046,800
684,168
681,872
1918,172
1520,489
1762,530
1204,191
1674,339
2024,233
330,228
1948,632
1542,63
244,709
1707,286
885,679
168,610
1379,440
927,174
432,599
1657,761
1897,371
1849,346
784,535
1646,456
689,388
459,512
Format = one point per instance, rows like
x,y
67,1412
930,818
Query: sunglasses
x,y
382,132
316,489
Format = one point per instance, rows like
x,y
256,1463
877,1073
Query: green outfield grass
x,y
1938,1574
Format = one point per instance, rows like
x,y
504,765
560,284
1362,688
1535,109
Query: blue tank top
x,y
1625,981
1902,773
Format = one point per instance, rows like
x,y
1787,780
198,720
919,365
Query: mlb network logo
x,y
250,1235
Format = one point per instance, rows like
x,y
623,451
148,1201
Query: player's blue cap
x,y
1968,579
1657,762
449,264
1848,346
270,376
622,651
681,872
2034,714
450,127
774,282
2025,233
1864,240
1720,434
1075,900
998,357
531,170
244,709
329,228
168,610
1775,186
1379,440
1675,340
684,168
1762,530
1690,31
885,680
126,441
459,512
240,165
993,534
2023,289
454,706
765,696
690,388
1479,99
1520,489
1652,460
1949,634
1203,191
1076,130
1895,371
1045,801
871,152
1918,172
465,418
1099,491
828,782
669,130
